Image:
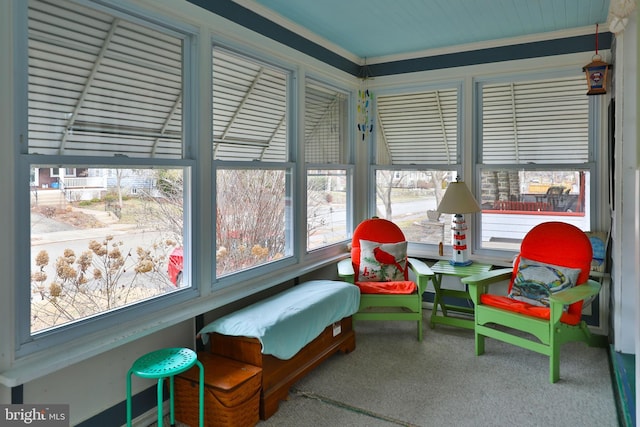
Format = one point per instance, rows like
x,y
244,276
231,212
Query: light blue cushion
x,y
289,320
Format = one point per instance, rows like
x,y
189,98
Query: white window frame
x,y
455,164
592,165
346,166
57,174
25,342
292,256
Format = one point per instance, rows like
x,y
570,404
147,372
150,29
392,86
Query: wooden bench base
x,y
279,375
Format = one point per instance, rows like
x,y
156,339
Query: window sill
x,y
51,359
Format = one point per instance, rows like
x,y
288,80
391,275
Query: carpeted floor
x,y
391,379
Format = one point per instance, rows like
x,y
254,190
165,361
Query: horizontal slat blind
x,y
325,124
543,121
249,109
100,85
418,128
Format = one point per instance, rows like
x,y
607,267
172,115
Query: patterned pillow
x,y
381,262
536,281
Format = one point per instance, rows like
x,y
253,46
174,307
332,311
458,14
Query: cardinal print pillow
x,y
382,262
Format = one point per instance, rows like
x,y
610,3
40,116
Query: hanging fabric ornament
x,y
365,102
365,123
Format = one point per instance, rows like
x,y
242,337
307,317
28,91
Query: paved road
x,y
55,237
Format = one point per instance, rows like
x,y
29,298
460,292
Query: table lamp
x,y
458,200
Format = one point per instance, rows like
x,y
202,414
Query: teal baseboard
x,y
624,377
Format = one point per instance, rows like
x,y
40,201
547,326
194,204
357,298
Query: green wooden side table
x,y
444,268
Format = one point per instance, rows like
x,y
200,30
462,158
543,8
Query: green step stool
x,y
161,364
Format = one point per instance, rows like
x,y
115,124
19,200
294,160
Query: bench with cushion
x,y
288,334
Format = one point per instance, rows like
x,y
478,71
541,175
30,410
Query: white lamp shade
x,y
458,200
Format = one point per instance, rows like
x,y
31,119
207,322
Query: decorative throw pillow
x,y
381,262
536,281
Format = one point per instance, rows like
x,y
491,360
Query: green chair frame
x,y
385,306
546,336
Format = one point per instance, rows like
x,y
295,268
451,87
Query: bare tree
x,y
165,210
318,195
386,180
250,218
438,177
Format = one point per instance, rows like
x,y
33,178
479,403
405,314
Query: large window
x,y
326,158
536,157
106,166
417,154
251,154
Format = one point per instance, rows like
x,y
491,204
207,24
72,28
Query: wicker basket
x,y
231,393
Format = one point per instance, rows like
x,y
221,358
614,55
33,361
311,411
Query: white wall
x,y
97,384
637,215
626,231
625,252
7,193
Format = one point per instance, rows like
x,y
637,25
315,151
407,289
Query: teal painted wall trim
x,y
624,381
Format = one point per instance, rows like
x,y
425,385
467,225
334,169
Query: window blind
x,y
249,109
418,128
544,121
100,85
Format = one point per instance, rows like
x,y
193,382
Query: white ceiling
x,y
380,30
